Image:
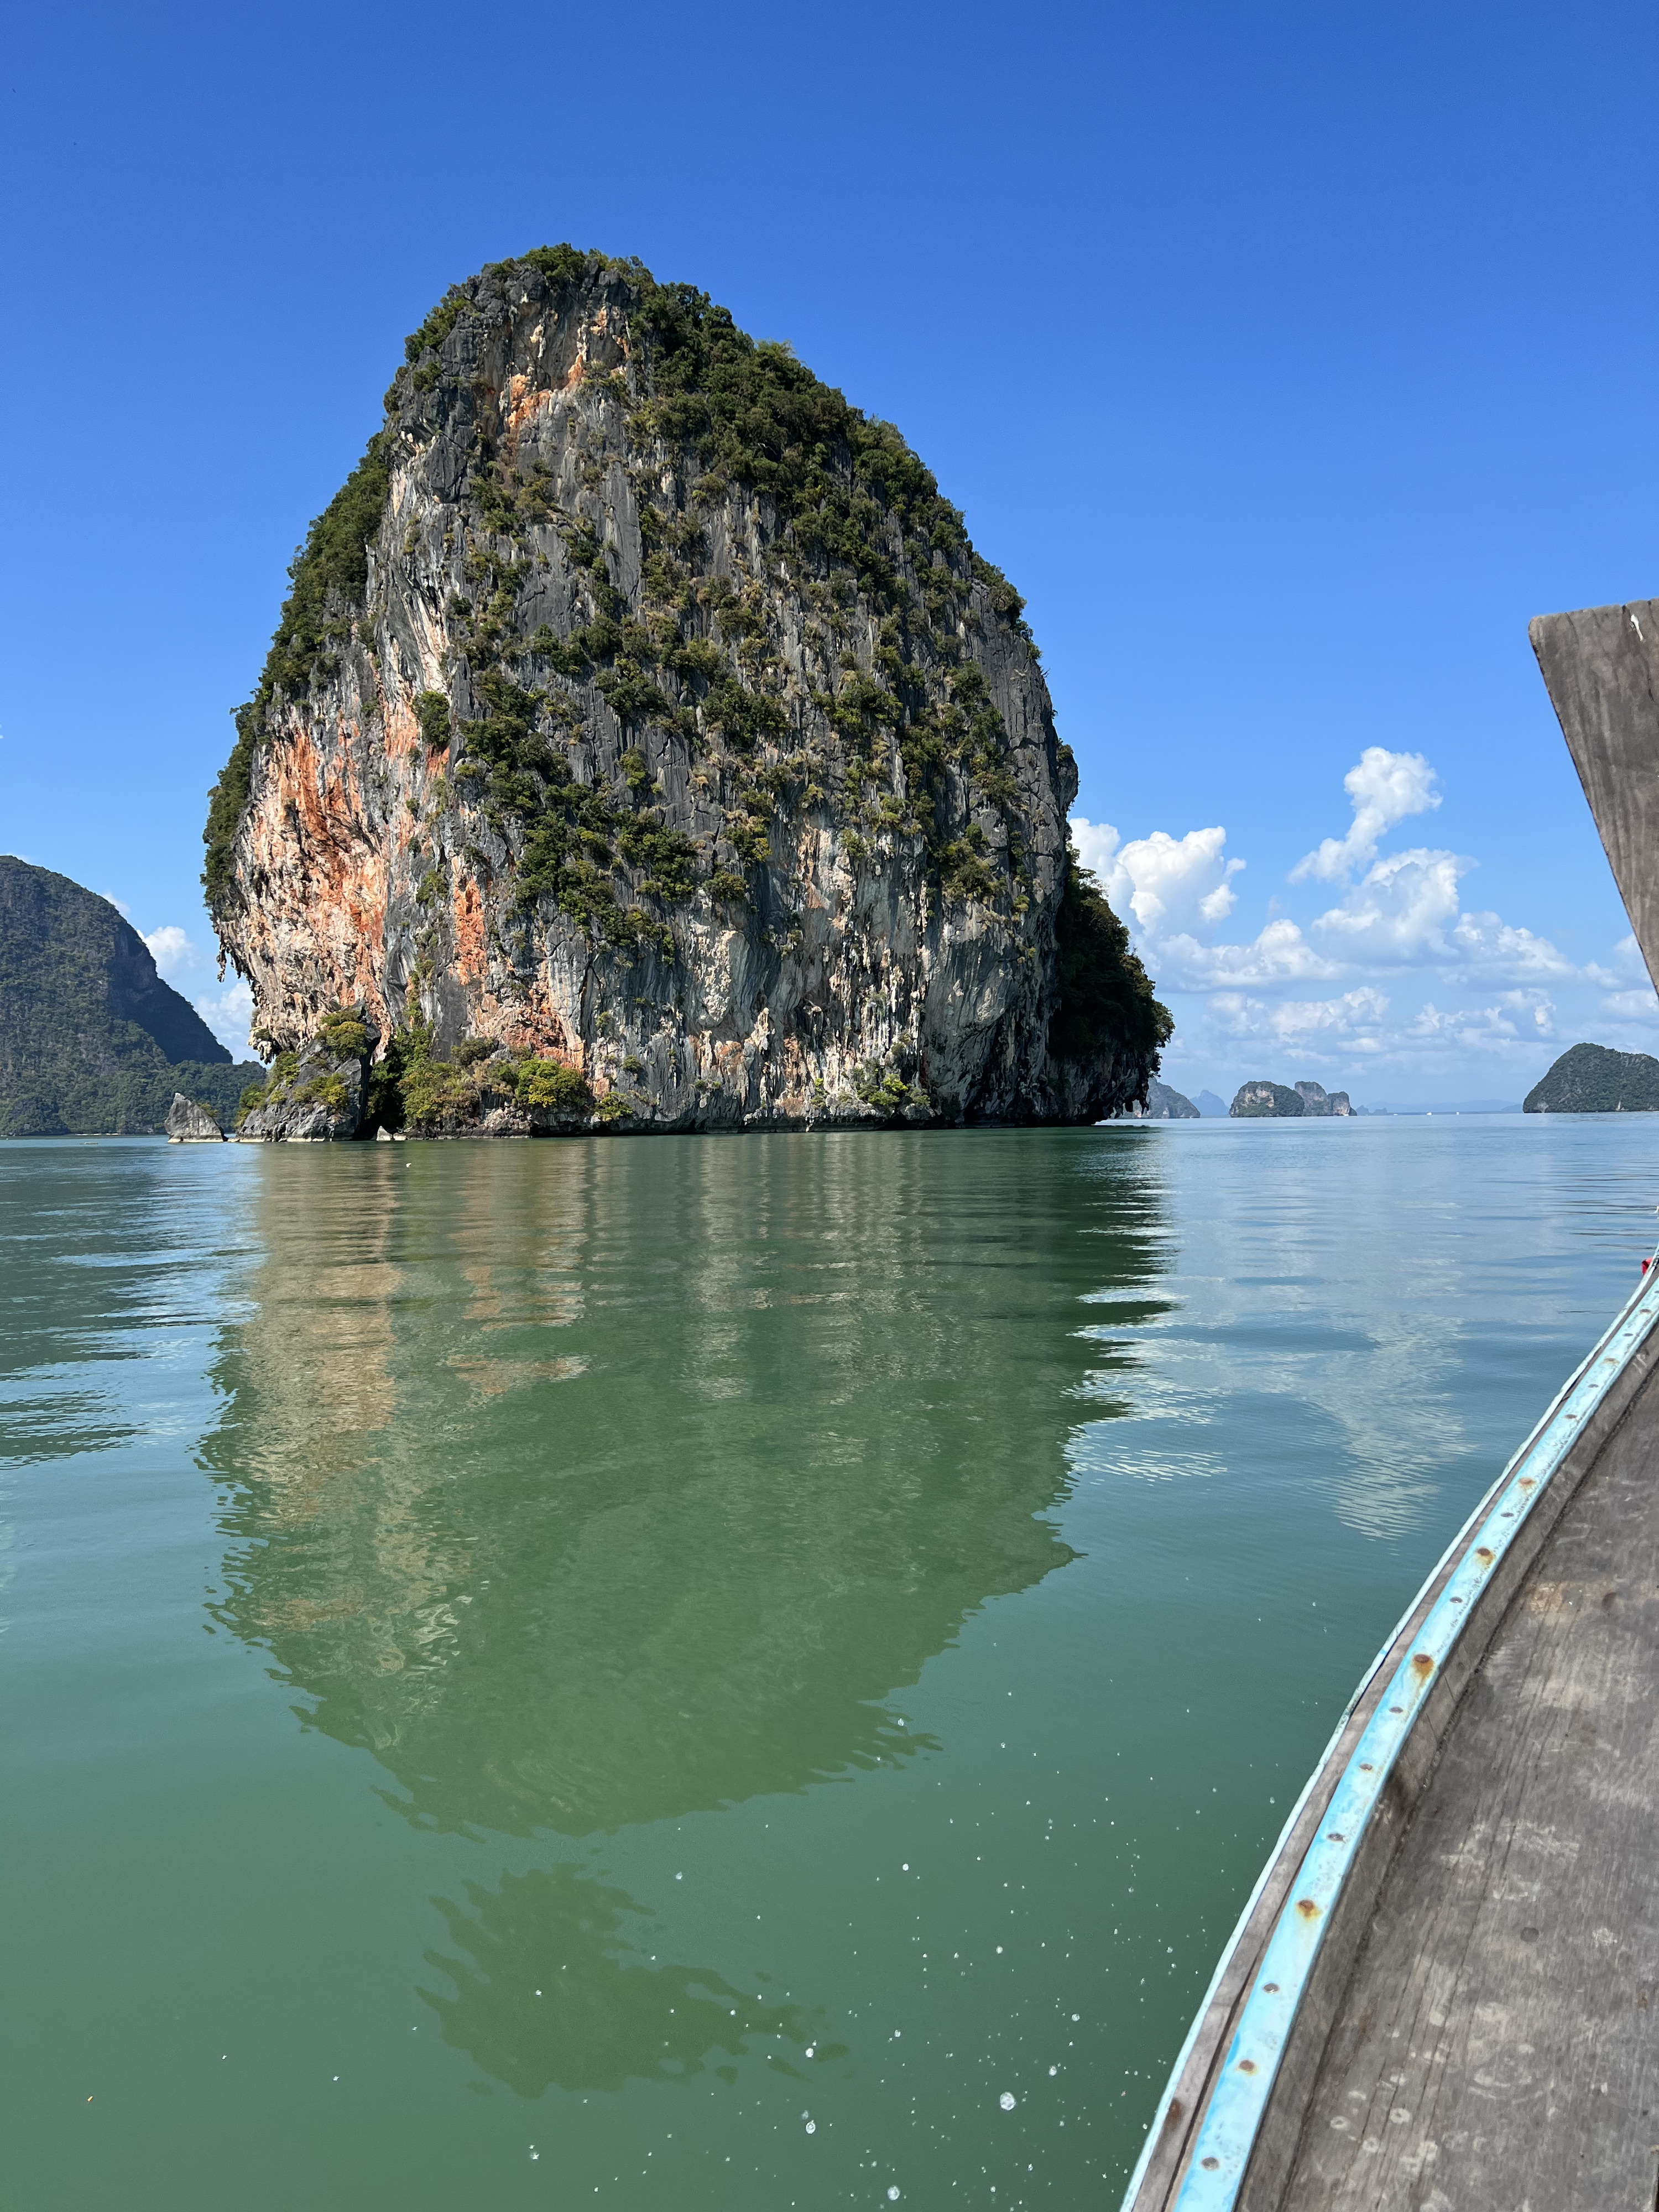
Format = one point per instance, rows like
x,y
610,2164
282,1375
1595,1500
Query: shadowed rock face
x,y
643,705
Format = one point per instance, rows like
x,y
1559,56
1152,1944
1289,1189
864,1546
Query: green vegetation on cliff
x,y
92,1042
1593,1079
1106,996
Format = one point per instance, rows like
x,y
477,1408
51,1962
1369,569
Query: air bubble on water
x,y
1077,2015
811,2127
1007,2100
905,1868
892,2194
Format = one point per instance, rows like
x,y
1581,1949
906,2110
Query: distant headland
x,y
92,1042
1592,1079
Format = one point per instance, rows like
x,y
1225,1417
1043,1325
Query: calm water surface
x,y
689,1673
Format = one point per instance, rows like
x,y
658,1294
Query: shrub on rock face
x,y
1106,998
320,1092
548,1086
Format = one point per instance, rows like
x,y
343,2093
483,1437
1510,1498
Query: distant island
x,y
1592,1079
1260,1101
93,1043
1164,1103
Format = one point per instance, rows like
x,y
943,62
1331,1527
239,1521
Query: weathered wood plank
x,y
1498,2044
1600,665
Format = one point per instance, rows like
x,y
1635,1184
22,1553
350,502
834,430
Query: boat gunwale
x,y
1201,2149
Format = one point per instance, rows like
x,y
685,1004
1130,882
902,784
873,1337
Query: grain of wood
x,y
1498,2046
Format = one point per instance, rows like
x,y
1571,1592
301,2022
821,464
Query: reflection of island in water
x,y
595,1484
554,1986
589,1484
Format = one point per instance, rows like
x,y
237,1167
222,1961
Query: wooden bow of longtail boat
x,y
1601,666
1444,1990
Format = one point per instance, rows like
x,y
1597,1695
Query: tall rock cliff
x,y
642,706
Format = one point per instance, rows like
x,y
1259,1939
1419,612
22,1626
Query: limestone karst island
x,y
644,746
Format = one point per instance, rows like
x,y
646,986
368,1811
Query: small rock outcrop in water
x,y
187,1123
319,1094
642,709
92,1042
1164,1103
1592,1079
1256,1100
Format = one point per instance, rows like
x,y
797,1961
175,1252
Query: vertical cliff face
x,y
641,706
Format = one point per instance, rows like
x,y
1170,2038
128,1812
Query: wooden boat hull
x,y
1443,1992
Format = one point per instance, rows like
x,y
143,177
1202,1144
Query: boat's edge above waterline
x,y
1230,2121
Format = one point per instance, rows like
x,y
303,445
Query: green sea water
x,y
740,1673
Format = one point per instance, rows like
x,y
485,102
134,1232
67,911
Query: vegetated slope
x,y
641,706
1593,1079
92,1042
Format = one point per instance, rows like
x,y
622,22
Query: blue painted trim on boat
x,y
1244,2082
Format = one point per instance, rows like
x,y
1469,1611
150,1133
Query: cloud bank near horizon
x,y
1343,990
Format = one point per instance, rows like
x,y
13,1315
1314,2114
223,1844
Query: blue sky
x,y
1287,357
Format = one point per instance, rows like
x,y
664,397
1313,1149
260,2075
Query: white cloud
x,y
1168,884
1352,1021
1398,914
1492,950
1394,916
1384,788
171,949
1096,842
1355,1036
1630,969
1280,954
1517,1020
229,1015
